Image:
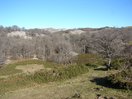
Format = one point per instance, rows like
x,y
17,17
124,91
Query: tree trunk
x,y
109,64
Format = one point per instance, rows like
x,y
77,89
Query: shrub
x,y
122,79
56,74
117,63
91,60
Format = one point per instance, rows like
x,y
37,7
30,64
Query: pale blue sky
x,y
65,13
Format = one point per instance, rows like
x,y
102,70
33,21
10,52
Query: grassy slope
x,y
56,73
67,89
10,68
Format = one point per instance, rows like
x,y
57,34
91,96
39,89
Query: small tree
x,y
109,45
62,50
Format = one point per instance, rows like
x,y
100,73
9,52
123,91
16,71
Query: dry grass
x,y
30,68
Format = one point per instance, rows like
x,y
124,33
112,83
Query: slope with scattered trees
x,y
89,47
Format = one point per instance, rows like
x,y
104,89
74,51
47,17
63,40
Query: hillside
x,y
78,87
83,85
83,63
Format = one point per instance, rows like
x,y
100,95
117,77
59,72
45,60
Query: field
x,y
34,79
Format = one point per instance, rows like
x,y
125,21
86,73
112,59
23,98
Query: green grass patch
x,y
90,60
56,74
10,68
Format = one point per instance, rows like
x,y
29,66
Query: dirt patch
x,y
31,68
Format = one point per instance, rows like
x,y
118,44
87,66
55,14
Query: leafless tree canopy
x,y
62,45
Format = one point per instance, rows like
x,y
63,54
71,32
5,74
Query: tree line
x,y
62,46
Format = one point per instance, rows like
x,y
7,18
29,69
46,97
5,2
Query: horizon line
x,y
64,27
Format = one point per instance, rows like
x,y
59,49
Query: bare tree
x,y
62,49
109,45
2,49
43,47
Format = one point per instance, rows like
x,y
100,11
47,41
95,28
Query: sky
x,y
66,13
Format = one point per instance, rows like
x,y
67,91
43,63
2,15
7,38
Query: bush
x,y
117,63
122,79
56,74
91,60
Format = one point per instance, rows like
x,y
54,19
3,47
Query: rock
x,y
35,57
98,89
99,96
8,61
